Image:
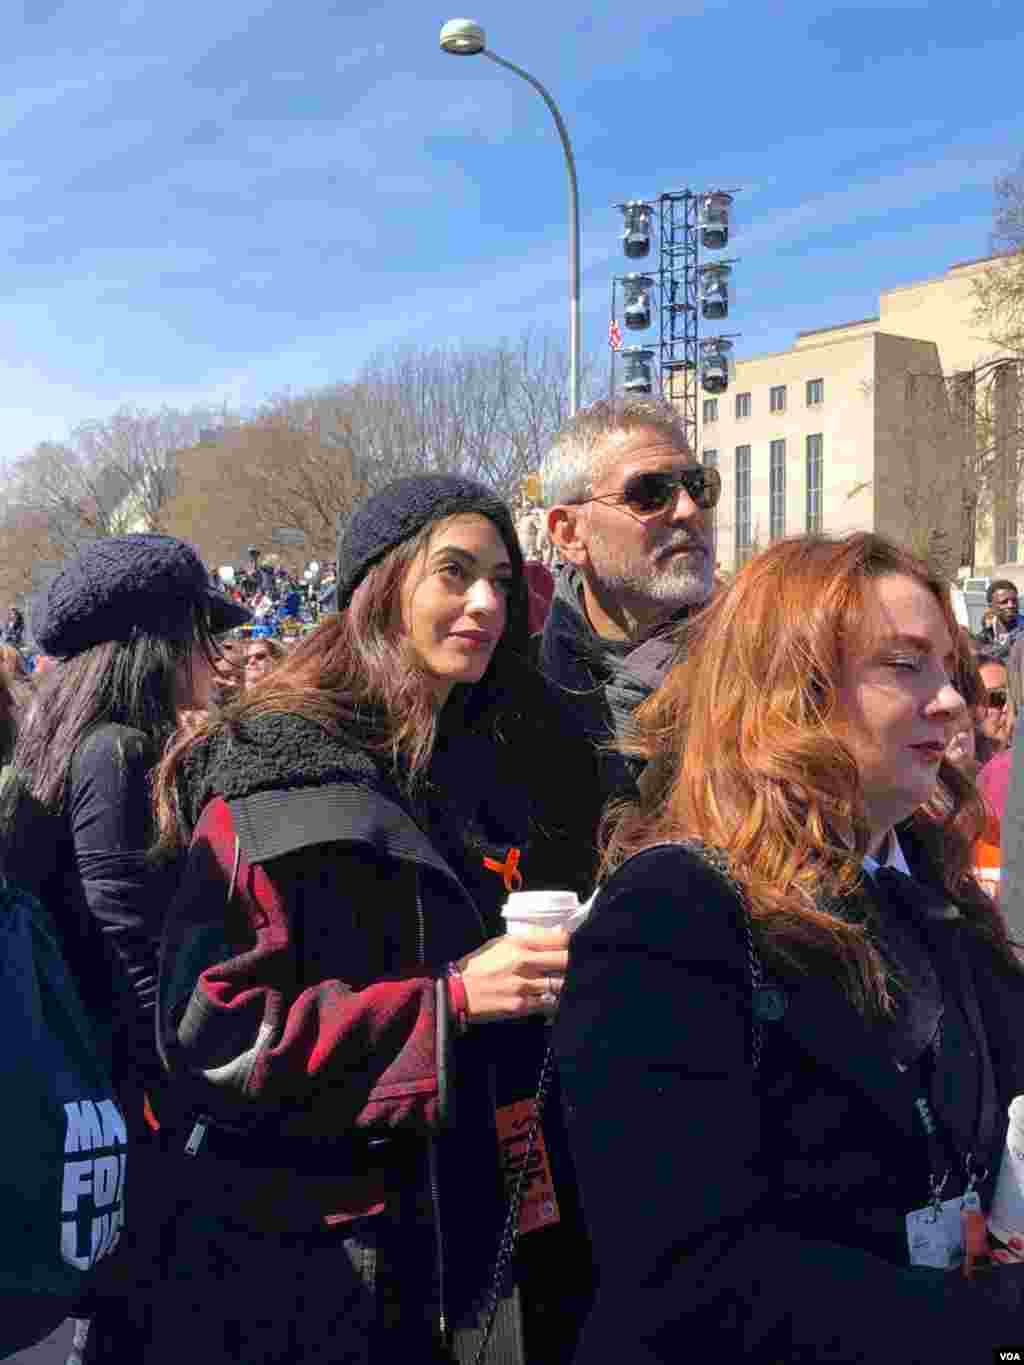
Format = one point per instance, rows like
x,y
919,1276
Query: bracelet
x,y
457,998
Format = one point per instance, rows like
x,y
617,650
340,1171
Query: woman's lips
x,y
472,640
931,753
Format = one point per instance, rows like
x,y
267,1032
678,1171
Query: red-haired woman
x,y
775,1046
336,992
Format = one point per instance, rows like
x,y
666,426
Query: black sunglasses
x,y
997,698
645,495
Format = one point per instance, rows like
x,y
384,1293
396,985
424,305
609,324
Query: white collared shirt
x,y
894,857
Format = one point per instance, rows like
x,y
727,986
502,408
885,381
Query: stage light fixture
x,y
636,292
714,290
636,228
638,377
713,217
714,364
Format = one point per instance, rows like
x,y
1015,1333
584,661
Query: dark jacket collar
x,y
823,1024
827,1027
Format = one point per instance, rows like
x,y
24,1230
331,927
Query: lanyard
x,y
940,1142
938,1152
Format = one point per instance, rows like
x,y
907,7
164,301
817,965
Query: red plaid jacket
x,y
311,988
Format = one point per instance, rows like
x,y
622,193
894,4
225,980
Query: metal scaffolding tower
x,y
688,292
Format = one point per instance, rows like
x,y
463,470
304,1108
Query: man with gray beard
x,y
630,513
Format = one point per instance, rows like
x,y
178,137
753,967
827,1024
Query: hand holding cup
x,y
513,976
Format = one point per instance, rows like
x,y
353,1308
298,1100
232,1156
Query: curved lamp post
x,y
465,38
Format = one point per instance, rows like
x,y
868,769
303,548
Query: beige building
x,y
861,426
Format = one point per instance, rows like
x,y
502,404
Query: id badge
x,y
935,1235
977,1252
539,1207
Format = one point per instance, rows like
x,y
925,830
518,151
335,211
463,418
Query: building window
x,y
710,458
710,409
777,398
743,405
815,392
815,460
743,542
777,490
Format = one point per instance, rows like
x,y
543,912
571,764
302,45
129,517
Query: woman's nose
x,y
948,699
483,596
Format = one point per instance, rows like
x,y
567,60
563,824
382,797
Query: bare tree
x,y
997,390
302,461
538,404
111,475
25,546
54,482
928,448
999,290
979,414
301,465
485,411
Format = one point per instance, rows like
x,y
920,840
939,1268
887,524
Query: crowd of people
x,y
763,1087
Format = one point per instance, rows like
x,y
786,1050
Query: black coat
x,y
347,883
88,863
761,1214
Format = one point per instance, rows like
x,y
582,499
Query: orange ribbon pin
x,y
509,870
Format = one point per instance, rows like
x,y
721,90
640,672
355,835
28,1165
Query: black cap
x,y
404,507
124,583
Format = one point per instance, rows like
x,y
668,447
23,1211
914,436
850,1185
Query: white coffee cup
x,y
528,913
1006,1216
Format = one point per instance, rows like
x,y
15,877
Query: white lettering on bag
x,y
92,1190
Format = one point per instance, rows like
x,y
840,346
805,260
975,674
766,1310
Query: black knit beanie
x,y
404,507
122,584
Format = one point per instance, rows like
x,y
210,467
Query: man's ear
x,y
567,532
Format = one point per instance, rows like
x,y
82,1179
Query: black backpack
x,y
62,1197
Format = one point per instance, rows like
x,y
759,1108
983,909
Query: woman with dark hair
x,y
801,1055
8,720
337,1000
131,623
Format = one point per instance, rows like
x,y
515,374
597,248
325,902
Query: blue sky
x,y
208,202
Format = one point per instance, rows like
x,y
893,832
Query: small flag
x,y
614,335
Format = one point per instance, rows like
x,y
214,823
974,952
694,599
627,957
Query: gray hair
x,y
573,464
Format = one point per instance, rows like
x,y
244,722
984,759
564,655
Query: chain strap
x,y
510,1232
717,862
756,980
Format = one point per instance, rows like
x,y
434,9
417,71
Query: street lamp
x,y
465,38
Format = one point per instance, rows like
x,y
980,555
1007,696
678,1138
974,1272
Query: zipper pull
x,y
195,1138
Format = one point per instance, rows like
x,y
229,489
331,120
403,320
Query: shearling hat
x,y
404,507
125,583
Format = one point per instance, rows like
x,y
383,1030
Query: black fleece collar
x,y
275,753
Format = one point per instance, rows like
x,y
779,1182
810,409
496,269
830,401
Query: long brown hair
x,y
741,754
8,719
358,677
138,683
